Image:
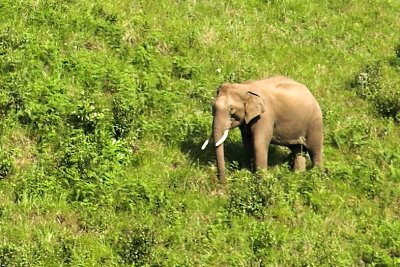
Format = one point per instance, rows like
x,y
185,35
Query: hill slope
x,y
104,106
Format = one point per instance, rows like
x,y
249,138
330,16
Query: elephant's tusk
x,y
205,144
223,138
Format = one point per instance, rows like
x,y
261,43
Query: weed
x,y
13,255
6,165
135,245
378,84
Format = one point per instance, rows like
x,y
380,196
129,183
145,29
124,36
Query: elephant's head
x,y
234,105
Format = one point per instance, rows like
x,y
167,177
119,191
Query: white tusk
x,y
205,144
223,138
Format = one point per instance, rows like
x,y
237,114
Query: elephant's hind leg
x,y
315,139
299,161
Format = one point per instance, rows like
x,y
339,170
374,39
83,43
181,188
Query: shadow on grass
x,y
234,154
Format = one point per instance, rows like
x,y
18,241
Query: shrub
x,y
378,84
263,242
6,165
368,82
88,164
181,68
125,113
13,255
351,133
135,245
87,115
254,194
388,104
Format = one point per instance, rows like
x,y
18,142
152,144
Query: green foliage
x,y
12,255
351,133
104,106
378,84
6,165
253,196
135,246
125,113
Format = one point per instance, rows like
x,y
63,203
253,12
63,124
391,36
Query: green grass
x,y
104,106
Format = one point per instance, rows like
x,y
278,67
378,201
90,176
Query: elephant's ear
x,y
254,106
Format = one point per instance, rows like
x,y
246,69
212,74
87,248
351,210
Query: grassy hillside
x,y
104,106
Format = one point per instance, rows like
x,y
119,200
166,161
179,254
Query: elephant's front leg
x,y
247,147
261,142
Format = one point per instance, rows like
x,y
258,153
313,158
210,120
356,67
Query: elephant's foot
x,y
299,163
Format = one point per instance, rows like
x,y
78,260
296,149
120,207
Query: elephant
x,y
275,110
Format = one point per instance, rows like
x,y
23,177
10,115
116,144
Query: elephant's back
x,y
291,99
285,93
281,85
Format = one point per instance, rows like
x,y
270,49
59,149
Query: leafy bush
x,y
13,255
351,133
263,242
388,103
86,116
254,195
6,165
125,113
368,82
89,163
135,245
378,83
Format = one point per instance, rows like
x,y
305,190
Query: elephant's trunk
x,y
219,150
219,137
